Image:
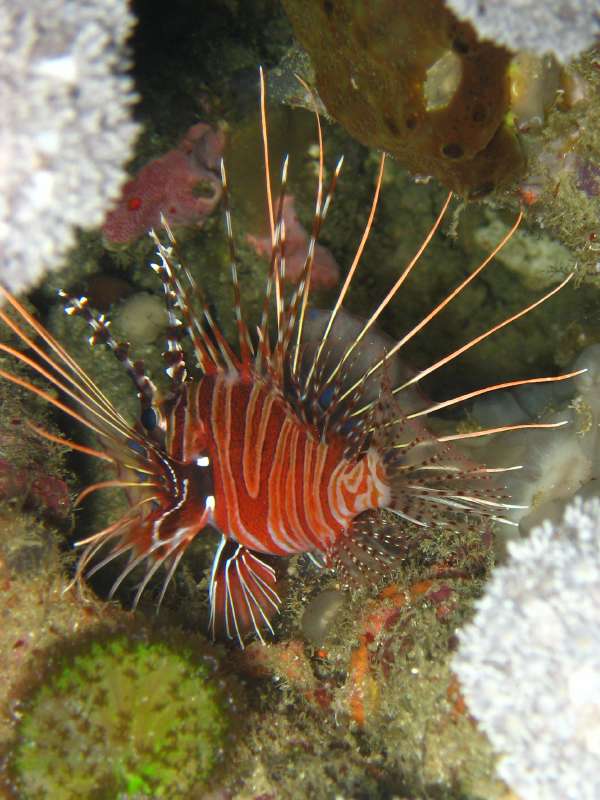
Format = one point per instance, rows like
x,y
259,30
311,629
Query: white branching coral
x,y
66,127
529,663
563,27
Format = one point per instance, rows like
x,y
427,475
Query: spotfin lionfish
x,y
276,446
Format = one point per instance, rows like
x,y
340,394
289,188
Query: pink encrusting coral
x,y
183,184
35,488
325,270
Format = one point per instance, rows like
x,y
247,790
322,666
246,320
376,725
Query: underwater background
x,y
356,696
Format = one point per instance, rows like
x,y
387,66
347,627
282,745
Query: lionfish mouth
x,y
281,444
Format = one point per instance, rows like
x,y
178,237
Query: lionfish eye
x,y
149,419
326,397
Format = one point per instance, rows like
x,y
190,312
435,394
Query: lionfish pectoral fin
x,y
371,544
242,593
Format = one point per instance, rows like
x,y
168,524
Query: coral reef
x,y
561,187
399,687
37,488
320,614
142,318
536,257
127,716
66,129
412,80
36,613
563,27
355,697
183,184
373,706
554,465
529,662
536,82
32,469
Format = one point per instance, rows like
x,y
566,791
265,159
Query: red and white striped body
x,y
278,489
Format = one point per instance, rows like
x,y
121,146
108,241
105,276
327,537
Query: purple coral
x,y
588,177
171,185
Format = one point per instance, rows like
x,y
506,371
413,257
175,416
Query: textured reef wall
x,y
357,696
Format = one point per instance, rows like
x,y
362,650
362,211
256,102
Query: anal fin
x,y
242,593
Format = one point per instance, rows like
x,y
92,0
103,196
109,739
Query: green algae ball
x,y
126,718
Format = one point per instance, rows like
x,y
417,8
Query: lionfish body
x,y
275,486
270,484
278,446
279,489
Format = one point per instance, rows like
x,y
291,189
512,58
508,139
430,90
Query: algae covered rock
x,y
411,79
125,717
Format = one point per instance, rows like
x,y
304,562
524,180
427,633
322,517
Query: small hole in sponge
x,y
479,113
460,46
452,150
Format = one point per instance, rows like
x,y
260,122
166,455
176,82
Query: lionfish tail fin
x,y
242,594
371,544
433,484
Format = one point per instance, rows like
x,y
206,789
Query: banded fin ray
x,y
242,593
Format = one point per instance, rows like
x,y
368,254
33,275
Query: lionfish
x,y
276,445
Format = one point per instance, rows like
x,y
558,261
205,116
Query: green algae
x,y
125,717
37,614
564,160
